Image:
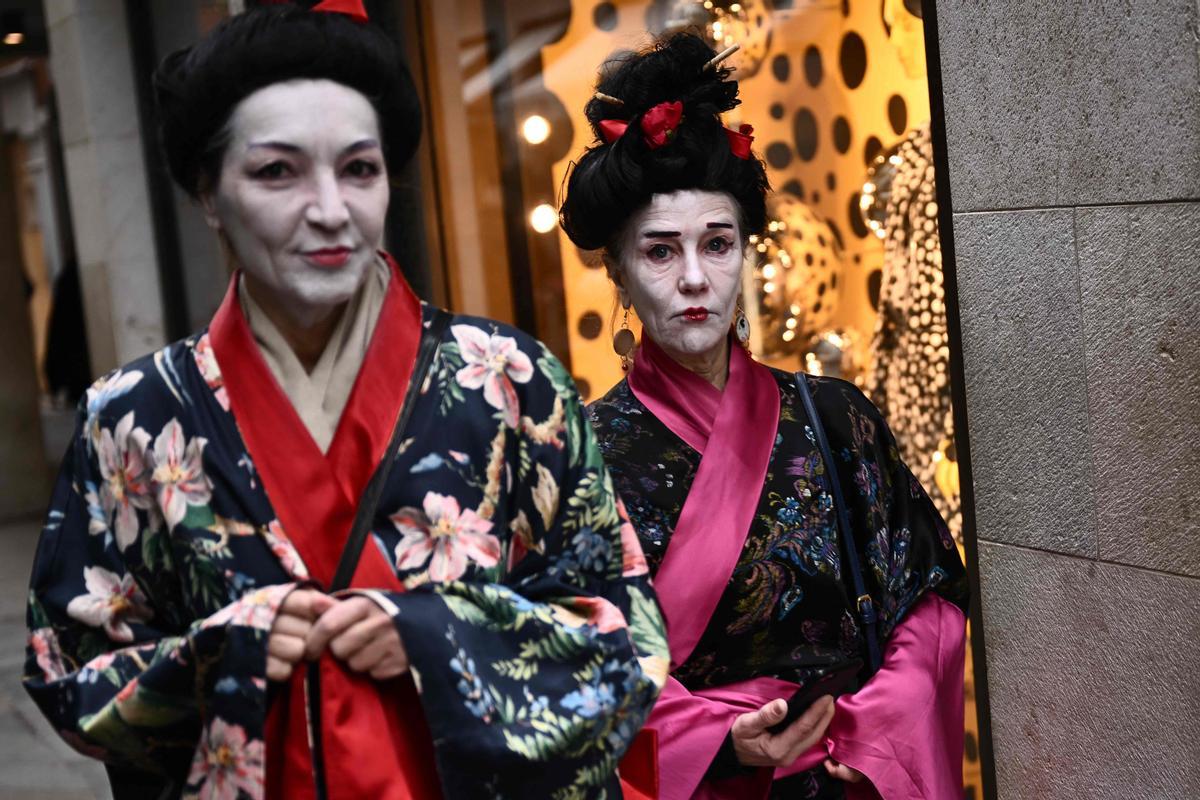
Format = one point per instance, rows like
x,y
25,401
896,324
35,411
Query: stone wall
x,y
106,178
1073,133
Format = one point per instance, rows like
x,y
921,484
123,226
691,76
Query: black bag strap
x,y
365,516
863,601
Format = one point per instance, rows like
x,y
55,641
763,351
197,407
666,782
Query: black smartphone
x,y
831,681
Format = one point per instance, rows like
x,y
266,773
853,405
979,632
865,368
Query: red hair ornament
x,y
740,141
351,8
660,123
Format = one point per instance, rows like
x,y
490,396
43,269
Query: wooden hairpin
x,y
608,98
721,56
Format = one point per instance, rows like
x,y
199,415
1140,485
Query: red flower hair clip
x,y
658,125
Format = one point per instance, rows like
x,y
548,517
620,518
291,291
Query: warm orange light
x,y
543,218
536,129
14,38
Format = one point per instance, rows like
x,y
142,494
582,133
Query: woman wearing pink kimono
x,y
788,542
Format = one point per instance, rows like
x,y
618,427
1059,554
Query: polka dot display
x,y
794,188
779,155
897,113
874,285
841,134
781,68
911,379
852,58
854,213
590,325
804,132
871,150
799,260
777,111
605,16
814,70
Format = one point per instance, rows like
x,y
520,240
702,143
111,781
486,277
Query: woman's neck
x,y
712,365
307,330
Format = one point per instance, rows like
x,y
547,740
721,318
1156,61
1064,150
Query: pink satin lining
x,y
903,729
734,431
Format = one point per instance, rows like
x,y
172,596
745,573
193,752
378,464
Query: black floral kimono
x,y
787,608
517,588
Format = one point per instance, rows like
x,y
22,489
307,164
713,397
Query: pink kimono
x,y
903,729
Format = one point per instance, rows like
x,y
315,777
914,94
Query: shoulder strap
x,y
365,516
866,606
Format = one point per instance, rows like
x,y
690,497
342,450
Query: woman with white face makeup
x,y
339,544
794,556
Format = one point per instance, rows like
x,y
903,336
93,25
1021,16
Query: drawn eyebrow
x,y
728,225
363,144
660,234
291,148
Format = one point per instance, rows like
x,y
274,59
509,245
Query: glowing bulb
x,y
543,218
791,323
536,129
789,335
795,309
15,37
762,248
768,287
769,271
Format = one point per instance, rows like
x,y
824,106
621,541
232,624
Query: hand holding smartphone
x,y
833,682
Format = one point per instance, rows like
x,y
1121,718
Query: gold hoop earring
x,y
624,341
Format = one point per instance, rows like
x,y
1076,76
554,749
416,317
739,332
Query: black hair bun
x,y
613,181
197,88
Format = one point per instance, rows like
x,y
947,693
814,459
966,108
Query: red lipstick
x,y
331,257
695,314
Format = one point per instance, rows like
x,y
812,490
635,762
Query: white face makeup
x,y
302,195
681,266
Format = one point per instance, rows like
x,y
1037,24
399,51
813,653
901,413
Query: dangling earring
x,y
741,326
623,341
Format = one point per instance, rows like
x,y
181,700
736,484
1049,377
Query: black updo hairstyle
x,y
612,182
197,88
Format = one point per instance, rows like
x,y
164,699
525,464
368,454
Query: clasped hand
x,y
756,746
354,629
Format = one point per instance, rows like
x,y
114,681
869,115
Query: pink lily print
x,y
493,363
111,601
445,536
179,473
226,765
122,454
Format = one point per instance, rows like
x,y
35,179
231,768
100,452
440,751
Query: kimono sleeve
x,y
115,677
907,546
534,683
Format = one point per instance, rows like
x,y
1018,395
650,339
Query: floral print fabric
x,y
787,609
529,621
